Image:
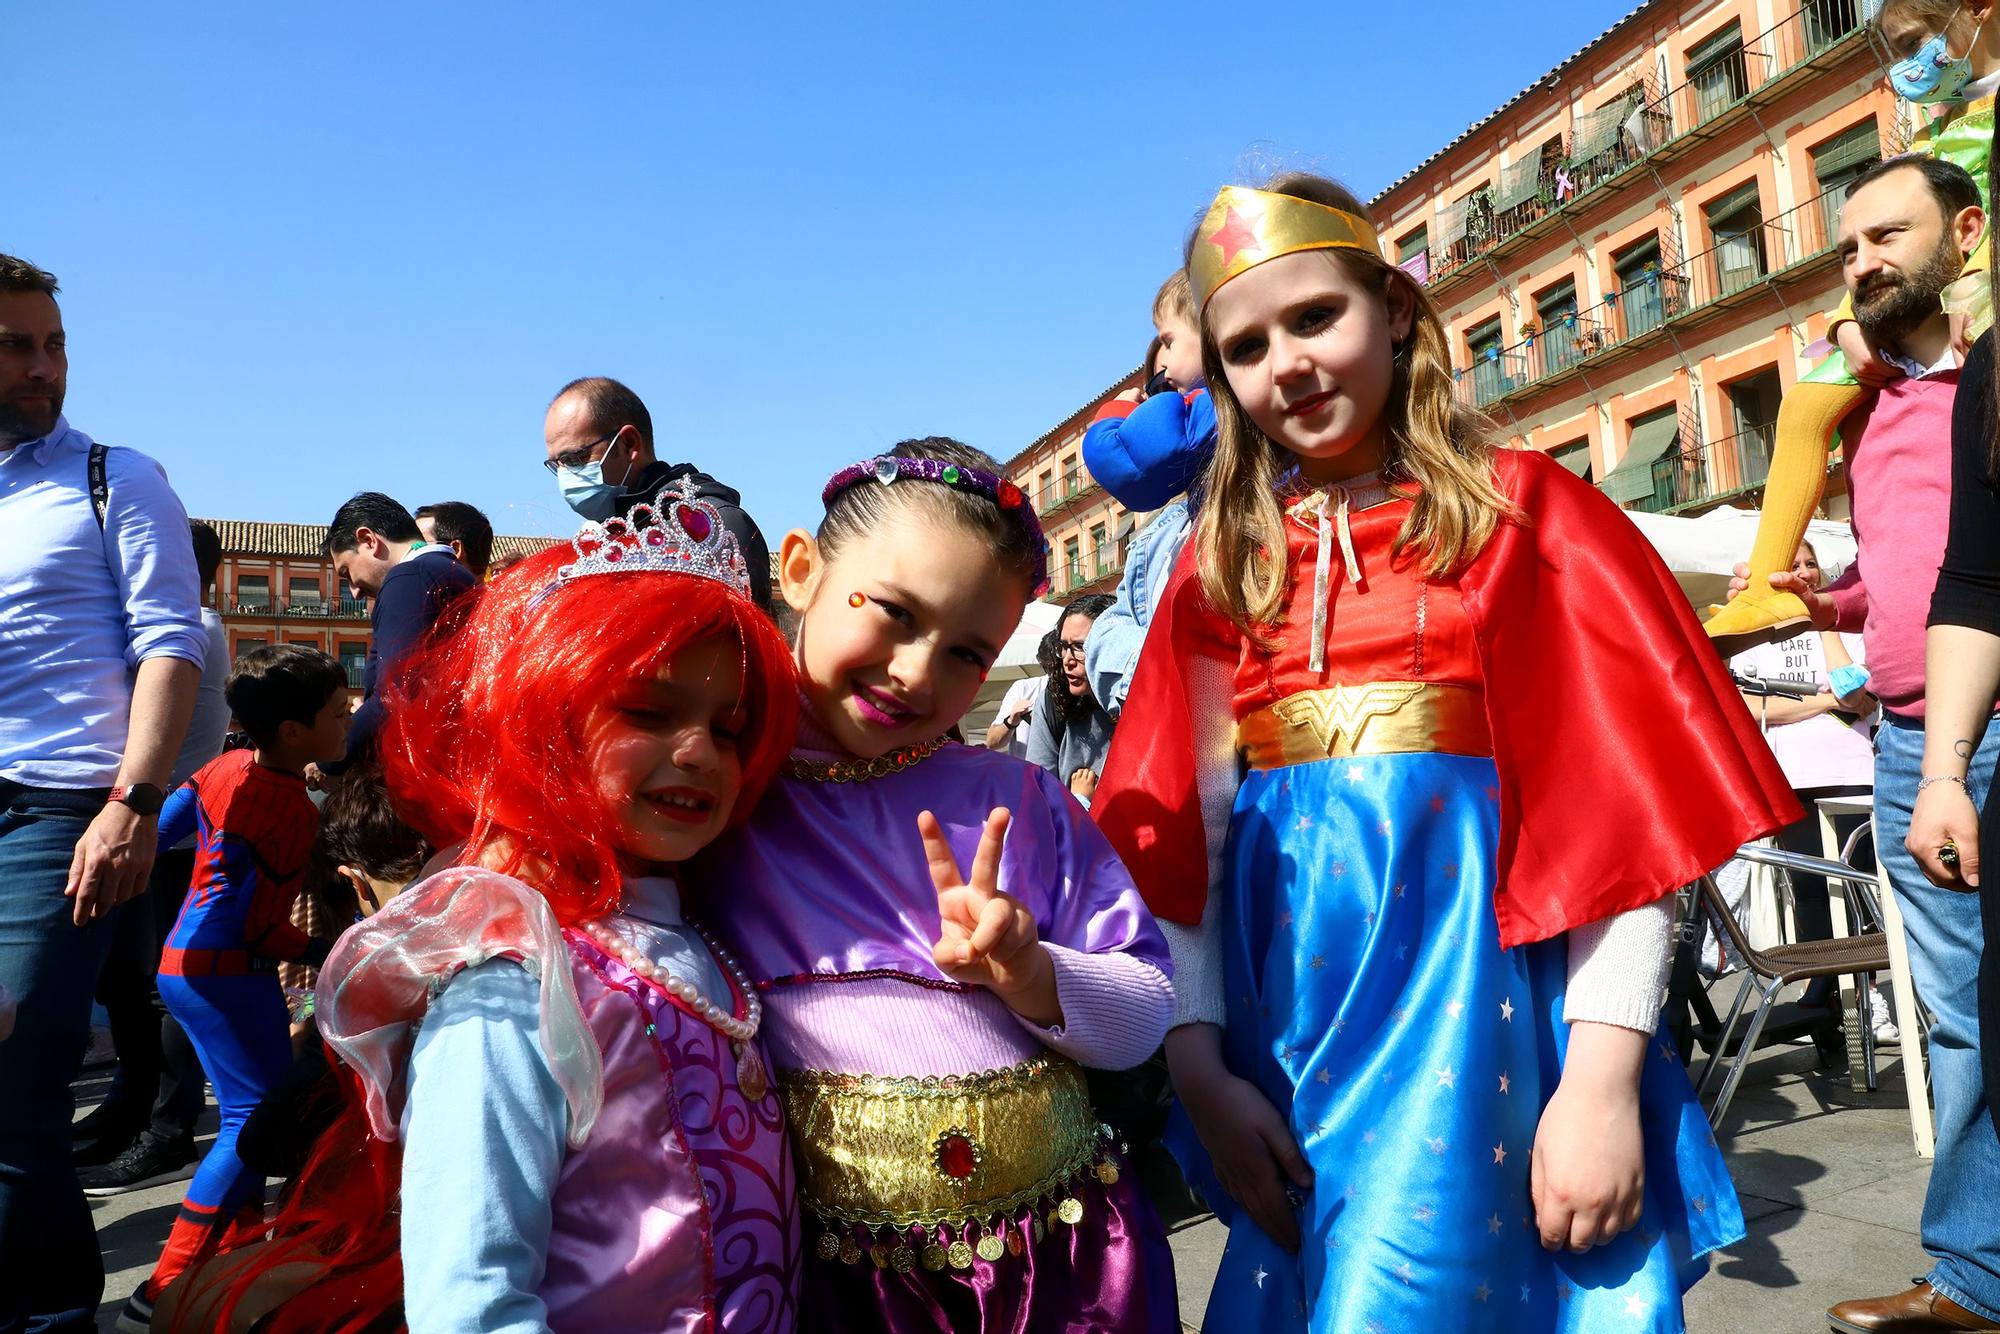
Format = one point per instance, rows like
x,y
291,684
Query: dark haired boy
x,y
464,528
218,973
379,552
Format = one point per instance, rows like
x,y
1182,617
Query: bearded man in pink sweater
x,y
1905,231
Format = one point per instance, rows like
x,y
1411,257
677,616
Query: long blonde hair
x,y
1430,441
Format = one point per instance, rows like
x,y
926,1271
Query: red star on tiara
x,y
1235,235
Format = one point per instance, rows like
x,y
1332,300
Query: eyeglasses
x,y
1066,649
580,456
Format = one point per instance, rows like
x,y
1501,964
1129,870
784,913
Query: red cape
x,y
1628,765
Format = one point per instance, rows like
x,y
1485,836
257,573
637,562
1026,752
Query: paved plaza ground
x,y
1830,1183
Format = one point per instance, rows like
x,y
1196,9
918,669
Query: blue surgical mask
x,y
1933,74
585,491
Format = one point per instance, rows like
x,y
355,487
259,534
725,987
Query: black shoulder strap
x,y
100,483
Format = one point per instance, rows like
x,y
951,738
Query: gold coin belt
x,y
939,1246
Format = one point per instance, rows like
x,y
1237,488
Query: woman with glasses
x,y
1070,734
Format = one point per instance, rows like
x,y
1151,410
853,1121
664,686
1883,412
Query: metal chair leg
x,y
1728,1027
1765,1000
1865,1022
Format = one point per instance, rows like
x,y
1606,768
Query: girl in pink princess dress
x,y
559,1112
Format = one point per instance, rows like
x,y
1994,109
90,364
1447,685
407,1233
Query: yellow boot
x,y
1805,437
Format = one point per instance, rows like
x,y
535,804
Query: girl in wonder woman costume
x,y
1412,833
941,937
561,1117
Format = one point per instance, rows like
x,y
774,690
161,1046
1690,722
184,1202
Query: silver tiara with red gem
x,y
680,535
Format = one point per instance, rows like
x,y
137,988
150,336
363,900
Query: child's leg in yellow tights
x,y
1806,422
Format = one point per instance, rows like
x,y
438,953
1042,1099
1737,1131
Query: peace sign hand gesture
x,y
986,938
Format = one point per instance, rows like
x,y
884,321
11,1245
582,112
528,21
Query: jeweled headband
x,y
681,535
889,469
1243,228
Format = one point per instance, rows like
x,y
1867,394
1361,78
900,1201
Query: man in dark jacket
x,y
600,447
379,552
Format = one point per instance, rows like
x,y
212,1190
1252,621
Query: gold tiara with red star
x,y
1243,228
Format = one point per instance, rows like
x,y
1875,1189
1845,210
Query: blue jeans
x,y
1961,1225
51,1277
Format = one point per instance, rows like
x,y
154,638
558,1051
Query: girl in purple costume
x,y
928,1029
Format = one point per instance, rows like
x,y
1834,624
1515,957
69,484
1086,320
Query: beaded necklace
x,y
859,771
742,1033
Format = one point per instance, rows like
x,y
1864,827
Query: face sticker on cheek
x,y
855,600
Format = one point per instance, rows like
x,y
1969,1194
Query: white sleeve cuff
x,y
1618,968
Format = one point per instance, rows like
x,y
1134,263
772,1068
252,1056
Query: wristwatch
x,y
143,798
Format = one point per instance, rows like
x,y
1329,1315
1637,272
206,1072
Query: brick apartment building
x,y
1633,257
276,587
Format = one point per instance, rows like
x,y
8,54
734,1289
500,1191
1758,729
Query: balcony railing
x,y
1709,473
346,609
1614,138
1741,259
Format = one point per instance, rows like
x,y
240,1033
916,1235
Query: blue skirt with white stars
x,y
1370,999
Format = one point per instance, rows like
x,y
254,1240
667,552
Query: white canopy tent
x,y
1702,552
1016,660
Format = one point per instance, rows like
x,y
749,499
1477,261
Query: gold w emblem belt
x,y
1377,718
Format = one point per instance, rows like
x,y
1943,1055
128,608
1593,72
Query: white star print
x,y
1305,823
1387,827
1499,1154
1285,920
1339,1025
1482,1292
1325,1076
1318,961
1524,1292
1404,1272
1505,1083
1446,1079
1438,1145
1355,773
1367,1137
1493,1225
1423,1213
1507,1008
1454,1008
1402,951
1339,870
1634,1306
1259,1275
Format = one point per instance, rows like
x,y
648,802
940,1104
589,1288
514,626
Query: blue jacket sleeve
x,y
1156,453
410,600
1112,650
483,1145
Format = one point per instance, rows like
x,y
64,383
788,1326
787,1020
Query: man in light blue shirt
x,y
101,649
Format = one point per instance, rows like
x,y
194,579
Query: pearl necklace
x,y
741,1032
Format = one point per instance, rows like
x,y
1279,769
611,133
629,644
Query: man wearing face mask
x,y
600,447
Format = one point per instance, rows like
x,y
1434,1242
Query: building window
x,y
1736,223
1072,477
354,661
1073,561
1100,548
1827,21
1717,74
1575,456
304,593
244,643
1836,164
1643,478
253,592
1645,293
1555,311
1046,488
1488,377
1413,254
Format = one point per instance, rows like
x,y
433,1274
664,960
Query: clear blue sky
x,y
311,248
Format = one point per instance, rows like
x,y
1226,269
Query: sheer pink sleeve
x,y
382,974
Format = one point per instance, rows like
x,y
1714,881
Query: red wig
x,y
485,745
484,742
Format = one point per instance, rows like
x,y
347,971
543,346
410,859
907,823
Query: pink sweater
x,y
1899,482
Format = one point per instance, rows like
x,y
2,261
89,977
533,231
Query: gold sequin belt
x,y
944,1152
1379,718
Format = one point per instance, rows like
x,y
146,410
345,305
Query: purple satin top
x,y
828,885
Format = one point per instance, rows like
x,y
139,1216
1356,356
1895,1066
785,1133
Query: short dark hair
x,y
207,551
278,684
358,827
610,405
372,510
1950,185
18,275
466,524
